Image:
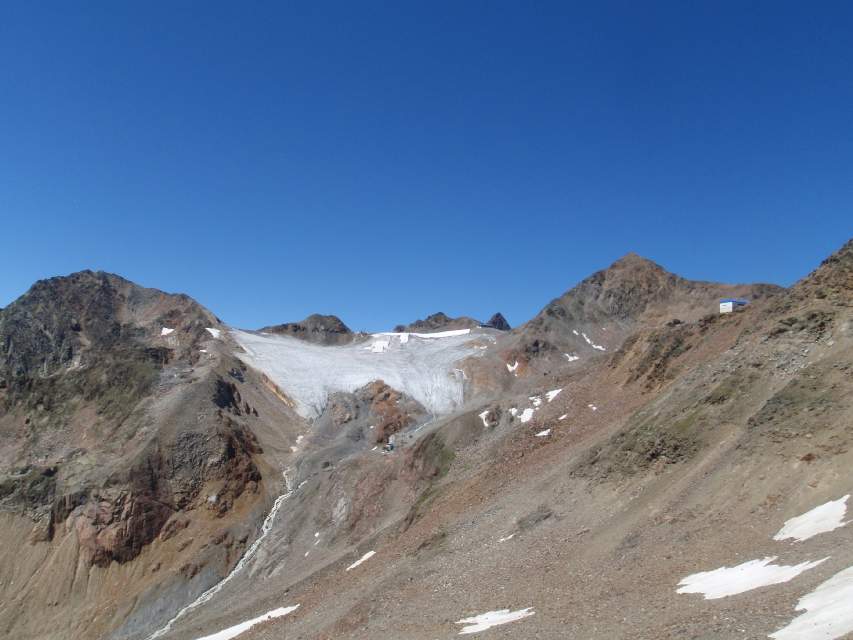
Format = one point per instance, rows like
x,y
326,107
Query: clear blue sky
x,y
385,160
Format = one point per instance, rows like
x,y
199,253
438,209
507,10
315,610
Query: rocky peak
x,y
438,322
62,321
498,322
316,328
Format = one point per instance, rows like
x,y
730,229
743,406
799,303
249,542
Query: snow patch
x,y
216,333
729,581
512,368
826,517
166,331
571,357
526,415
563,417
542,434
483,417
505,538
367,556
593,407
829,611
492,619
513,412
237,629
536,400
575,331
592,344
553,394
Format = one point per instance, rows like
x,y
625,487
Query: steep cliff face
x,y
121,422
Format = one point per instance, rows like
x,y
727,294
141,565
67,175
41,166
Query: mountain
x,y
629,463
316,328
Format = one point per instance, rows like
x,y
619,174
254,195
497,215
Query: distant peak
x,y
497,321
318,328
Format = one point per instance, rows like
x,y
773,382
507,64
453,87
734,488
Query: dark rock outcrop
x,y
498,322
438,322
316,328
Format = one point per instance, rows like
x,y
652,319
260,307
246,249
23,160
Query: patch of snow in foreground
x,y
237,629
166,331
492,619
553,394
572,357
513,411
214,332
542,434
536,400
729,581
526,415
483,417
563,417
593,407
505,538
512,368
829,611
367,556
826,517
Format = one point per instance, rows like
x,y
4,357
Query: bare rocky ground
x,y
681,441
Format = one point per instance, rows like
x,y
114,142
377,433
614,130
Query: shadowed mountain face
x,y
315,328
624,439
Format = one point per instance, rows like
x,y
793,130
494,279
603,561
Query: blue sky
x,y
383,161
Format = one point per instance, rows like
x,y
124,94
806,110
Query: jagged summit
x,y
439,321
64,320
316,328
498,322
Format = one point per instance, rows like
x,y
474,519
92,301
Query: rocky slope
x,y
602,456
315,328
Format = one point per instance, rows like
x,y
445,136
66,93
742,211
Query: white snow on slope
x,y
166,331
512,368
492,619
592,344
237,629
829,611
422,368
367,556
216,333
729,581
483,417
826,517
542,434
572,357
505,538
563,417
553,394
526,415
536,400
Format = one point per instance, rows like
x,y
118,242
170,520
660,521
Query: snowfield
x,y
492,619
826,517
367,556
729,581
829,611
419,365
237,629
